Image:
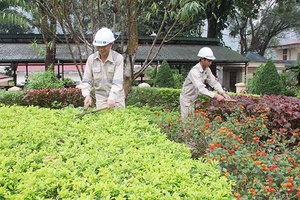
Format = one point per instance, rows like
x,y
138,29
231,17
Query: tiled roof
x,y
23,52
254,57
173,53
188,53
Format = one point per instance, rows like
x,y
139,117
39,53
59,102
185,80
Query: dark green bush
x,y
43,80
11,98
178,79
164,76
266,80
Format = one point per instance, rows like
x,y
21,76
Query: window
x,y
284,54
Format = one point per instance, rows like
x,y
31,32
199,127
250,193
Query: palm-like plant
x,y
294,72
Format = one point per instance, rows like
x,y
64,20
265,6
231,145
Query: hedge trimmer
x,y
85,110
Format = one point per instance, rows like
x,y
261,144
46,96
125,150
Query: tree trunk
x,y
211,24
49,36
132,44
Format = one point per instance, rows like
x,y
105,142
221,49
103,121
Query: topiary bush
x,y
43,80
164,76
266,80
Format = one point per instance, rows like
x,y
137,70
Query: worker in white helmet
x,y
104,73
194,83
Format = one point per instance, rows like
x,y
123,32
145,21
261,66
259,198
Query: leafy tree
x,y
149,23
5,22
164,76
266,80
258,29
239,21
81,19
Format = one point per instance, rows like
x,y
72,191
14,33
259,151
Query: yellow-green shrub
x,y
51,154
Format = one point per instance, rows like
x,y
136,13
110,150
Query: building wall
x,y
291,51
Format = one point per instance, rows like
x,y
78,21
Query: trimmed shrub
x,y
157,97
164,76
266,80
50,154
53,98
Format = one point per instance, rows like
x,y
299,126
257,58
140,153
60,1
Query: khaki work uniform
x,y
106,78
194,84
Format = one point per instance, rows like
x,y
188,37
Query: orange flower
x,y
223,158
207,132
189,133
237,195
218,118
211,146
229,134
226,174
257,162
256,139
291,159
253,191
289,184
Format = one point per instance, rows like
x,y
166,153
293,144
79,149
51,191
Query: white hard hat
x,y
103,37
207,53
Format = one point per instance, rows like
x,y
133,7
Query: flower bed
x,y
257,144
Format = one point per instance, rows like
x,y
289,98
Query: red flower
x,y
218,145
273,167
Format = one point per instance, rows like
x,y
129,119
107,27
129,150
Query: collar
x,y
109,57
200,68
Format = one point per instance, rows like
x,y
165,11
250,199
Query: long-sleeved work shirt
x,y
194,84
106,78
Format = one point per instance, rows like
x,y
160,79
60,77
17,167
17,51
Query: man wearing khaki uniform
x,y
104,73
194,83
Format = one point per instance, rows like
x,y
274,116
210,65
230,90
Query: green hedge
x,y
157,97
51,154
59,98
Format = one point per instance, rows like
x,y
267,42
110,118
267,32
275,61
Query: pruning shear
x,y
85,110
230,100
